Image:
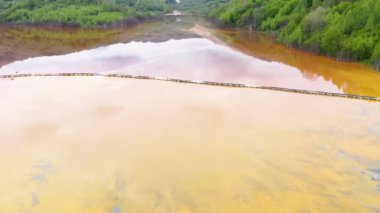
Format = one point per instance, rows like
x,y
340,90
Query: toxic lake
x,y
180,47
98,144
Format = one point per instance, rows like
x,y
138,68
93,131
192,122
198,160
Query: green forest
x,y
200,7
83,13
343,29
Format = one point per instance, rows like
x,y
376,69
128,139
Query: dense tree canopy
x,y
79,12
200,7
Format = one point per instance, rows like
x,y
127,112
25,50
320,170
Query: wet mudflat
x,y
94,144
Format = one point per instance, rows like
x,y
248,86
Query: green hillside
x,y
200,7
343,29
79,12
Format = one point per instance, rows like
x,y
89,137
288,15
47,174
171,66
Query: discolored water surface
x,y
97,144
348,77
181,47
93,144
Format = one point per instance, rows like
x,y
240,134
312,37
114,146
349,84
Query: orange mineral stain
x,y
93,144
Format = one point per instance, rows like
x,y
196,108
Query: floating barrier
x,y
210,83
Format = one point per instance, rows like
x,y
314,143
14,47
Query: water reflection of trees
x,y
350,77
21,42
18,43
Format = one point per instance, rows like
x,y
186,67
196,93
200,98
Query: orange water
x,y
93,144
350,77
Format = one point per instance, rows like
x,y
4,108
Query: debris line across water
x,y
210,83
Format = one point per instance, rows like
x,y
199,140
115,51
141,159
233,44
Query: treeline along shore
x,y
342,29
83,13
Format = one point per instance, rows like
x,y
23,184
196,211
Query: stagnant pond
x,y
184,48
96,144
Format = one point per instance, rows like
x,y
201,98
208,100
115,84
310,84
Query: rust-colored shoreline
x,y
209,83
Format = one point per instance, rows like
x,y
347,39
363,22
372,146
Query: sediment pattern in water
x,y
99,144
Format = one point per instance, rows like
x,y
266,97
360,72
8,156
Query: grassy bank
x,y
84,13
